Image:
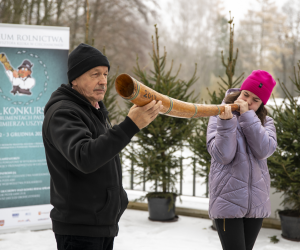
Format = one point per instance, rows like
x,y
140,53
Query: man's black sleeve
x,y
72,138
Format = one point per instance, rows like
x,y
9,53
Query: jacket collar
x,y
85,101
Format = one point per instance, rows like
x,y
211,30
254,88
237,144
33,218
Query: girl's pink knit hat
x,y
260,83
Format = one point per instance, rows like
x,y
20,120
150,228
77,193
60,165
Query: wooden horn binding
x,y
132,90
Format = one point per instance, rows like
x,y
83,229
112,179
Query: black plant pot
x,y
290,225
159,209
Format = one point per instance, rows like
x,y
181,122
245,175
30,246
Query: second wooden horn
x,y
136,92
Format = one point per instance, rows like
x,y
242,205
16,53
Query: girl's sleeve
x,y
261,139
221,139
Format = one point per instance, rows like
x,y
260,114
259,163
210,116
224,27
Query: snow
x,y
279,101
137,232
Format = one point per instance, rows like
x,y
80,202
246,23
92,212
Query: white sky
x,y
239,8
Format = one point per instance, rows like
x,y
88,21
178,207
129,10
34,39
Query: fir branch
x,y
179,68
226,83
225,89
222,58
284,168
170,70
238,80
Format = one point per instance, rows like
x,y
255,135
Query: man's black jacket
x,y
82,156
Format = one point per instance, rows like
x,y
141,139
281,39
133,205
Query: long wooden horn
x,y
136,92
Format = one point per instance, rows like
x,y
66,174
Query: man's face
x,y
24,72
92,84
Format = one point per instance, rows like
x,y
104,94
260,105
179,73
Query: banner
x,y
33,64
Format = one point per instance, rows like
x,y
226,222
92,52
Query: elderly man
x,y
82,154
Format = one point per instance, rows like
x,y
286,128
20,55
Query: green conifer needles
x,y
156,146
284,165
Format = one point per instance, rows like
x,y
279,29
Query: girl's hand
x,y
243,105
227,115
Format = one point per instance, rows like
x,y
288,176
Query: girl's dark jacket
x,y
82,156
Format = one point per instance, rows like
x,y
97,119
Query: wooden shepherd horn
x,y
136,92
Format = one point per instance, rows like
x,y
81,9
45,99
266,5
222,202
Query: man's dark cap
x,y
26,64
84,58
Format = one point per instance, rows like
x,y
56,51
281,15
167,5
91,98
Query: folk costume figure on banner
x,y
22,81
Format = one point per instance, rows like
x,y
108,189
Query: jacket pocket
x,y
124,203
107,216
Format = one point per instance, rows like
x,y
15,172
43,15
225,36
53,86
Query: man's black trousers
x,y
71,242
238,233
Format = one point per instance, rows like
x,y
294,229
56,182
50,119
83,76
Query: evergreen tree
x,y
284,163
110,99
197,141
156,145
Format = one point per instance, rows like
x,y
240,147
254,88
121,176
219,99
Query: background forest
x,y
268,36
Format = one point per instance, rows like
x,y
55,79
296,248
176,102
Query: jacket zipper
x,y
116,167
105,124
250,176
249,183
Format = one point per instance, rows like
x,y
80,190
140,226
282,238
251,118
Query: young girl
x,y
239,144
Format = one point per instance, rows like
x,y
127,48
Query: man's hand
x,y
15,74
227,115
143,116
243,105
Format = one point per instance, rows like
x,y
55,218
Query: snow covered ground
x,y
137,232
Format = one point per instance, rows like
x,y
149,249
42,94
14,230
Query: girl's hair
x,y
261,112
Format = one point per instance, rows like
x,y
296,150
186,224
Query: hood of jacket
x,y
228,92
67,93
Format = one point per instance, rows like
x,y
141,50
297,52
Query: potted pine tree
x,y
284,165
156,145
